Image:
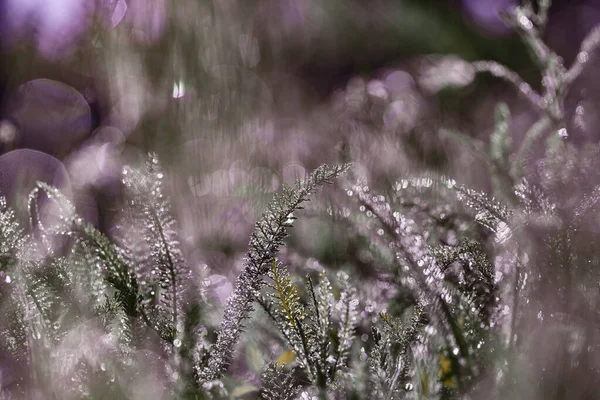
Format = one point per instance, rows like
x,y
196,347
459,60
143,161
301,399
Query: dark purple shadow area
x,y
49,116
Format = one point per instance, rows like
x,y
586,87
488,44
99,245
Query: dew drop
x,y
363,354
525,88
177,343
546,81
583,57
562,132
178,90
8,132
525,22
7,279
498,276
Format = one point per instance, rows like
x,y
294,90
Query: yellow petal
x,y
286,358
445,365
241,391
425,383
450,382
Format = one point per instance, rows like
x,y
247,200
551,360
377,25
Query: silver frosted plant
x,y
308,329
389,362
557,80
268,236
488,212
55,299
157,256
451,286
278,384
348,311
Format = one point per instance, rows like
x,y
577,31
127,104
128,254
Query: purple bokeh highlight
x,y
53,25
56,26
485,14
49,116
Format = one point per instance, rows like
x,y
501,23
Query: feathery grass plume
x,y
117,271
12,238
452,284
159,263
11,235
104,279
347,307
322,299
114,320
278,383
533,200
289,313
86,276
51,221
265,241
410,247
389,361
37,298
488,212
56,295
309,330
38,307
476,278
113,297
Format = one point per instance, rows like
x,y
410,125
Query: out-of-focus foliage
x,y
76,323
458,261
